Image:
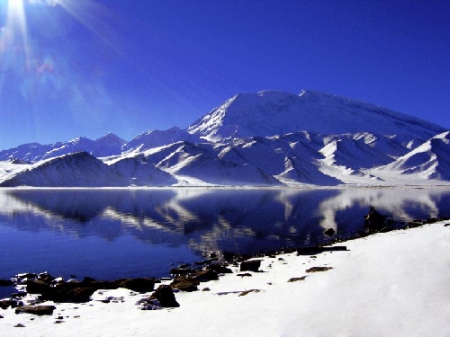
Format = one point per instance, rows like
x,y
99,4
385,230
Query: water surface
x,y
109,234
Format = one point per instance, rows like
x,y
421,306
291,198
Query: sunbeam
x,y
16,23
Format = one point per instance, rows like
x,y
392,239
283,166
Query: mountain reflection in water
x,y
200,221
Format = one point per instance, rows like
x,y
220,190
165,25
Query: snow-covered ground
x,y
391,284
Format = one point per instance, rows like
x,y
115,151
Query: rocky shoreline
x,y
34,291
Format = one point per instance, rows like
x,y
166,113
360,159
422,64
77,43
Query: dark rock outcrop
x,y
79,292
141,285
185,283
165,296
206,275
318,250
39,310
5,304
250,265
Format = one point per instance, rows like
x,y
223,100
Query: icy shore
x,y
387,284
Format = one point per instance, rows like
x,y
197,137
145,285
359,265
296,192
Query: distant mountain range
x,y
263,139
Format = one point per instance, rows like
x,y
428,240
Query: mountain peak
x,y
111,138
267,113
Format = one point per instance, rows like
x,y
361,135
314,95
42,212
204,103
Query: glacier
x,y
267,138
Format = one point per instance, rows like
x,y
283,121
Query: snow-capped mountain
x,y
262,139
155,138
83,169
108,145
269,113
430,160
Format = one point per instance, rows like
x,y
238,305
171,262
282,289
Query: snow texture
x,y
390,284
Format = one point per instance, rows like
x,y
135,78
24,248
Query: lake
x,y
109,234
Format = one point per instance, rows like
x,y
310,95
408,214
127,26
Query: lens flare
x,y
28,53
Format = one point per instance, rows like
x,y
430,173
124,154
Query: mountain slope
x,y
270,113
431,160
156,138
73,170
202,164
263,139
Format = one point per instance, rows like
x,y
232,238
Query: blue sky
x,y
72,68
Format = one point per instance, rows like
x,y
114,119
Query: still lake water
x,y
110,234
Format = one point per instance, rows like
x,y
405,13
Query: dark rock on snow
x,y
206,275
5,304
185,283
79,292
141,285
250,265
318,250
39,310
165,296
318,269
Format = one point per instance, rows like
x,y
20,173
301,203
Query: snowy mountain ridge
x,y
269,113
263,139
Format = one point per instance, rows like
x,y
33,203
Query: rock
x,y
296,279
318,250
181,271
165,296
5,304
19,325
185,283
206,275
219,268
67,293
39,310
141,285
413,224
330,232
374,221
201,263
318,269
45,277
250,265
244,293
21,278
244,275
37,287
80,292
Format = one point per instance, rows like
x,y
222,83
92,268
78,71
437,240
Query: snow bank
x,y
392,284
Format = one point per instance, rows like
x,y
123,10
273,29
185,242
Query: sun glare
x,y
16,22
28,61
